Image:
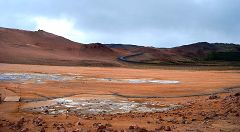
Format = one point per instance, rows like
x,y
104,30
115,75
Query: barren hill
x,y
201,53
40,47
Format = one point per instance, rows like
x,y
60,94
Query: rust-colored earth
x,y
209,99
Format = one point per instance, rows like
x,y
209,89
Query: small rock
x,y
237,94
158,122
160,128
167,128
194,119
131,127
214,96
210,115
38,121
137,129
108,125
54,125
42,129
182,121
61,129
96,124
76,130
58,127
20,123
169,119
46,111
237,114
69,125
79,123
24,130
102,127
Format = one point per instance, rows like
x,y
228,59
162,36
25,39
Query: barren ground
x,y
208,100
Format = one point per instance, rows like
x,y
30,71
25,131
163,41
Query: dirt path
x,y
125,58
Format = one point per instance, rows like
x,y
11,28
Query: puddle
x,y
99,106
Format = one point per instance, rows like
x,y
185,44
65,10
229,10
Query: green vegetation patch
x,y
224,56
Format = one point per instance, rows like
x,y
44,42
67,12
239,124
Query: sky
x,y
158,23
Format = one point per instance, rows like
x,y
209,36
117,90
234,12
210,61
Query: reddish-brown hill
x,y
40,47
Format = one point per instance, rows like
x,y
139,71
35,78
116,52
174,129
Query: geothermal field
x,y
60,98
119,65
51,84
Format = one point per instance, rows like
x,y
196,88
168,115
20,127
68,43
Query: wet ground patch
x,y
136,81
34,77
43,77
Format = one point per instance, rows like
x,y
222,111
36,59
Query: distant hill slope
x,y
40,47
201,50
202,53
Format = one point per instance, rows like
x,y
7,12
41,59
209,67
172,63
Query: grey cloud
x,y
164,23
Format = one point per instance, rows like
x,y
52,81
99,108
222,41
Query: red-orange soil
x,y
205,112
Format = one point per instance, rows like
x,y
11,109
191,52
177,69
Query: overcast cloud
x,y
160,23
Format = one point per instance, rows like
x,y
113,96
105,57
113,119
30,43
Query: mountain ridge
x,y
41,47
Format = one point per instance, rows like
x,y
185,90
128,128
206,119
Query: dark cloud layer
x,y
161,23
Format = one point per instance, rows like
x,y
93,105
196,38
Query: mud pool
x,y
80,104
97,106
